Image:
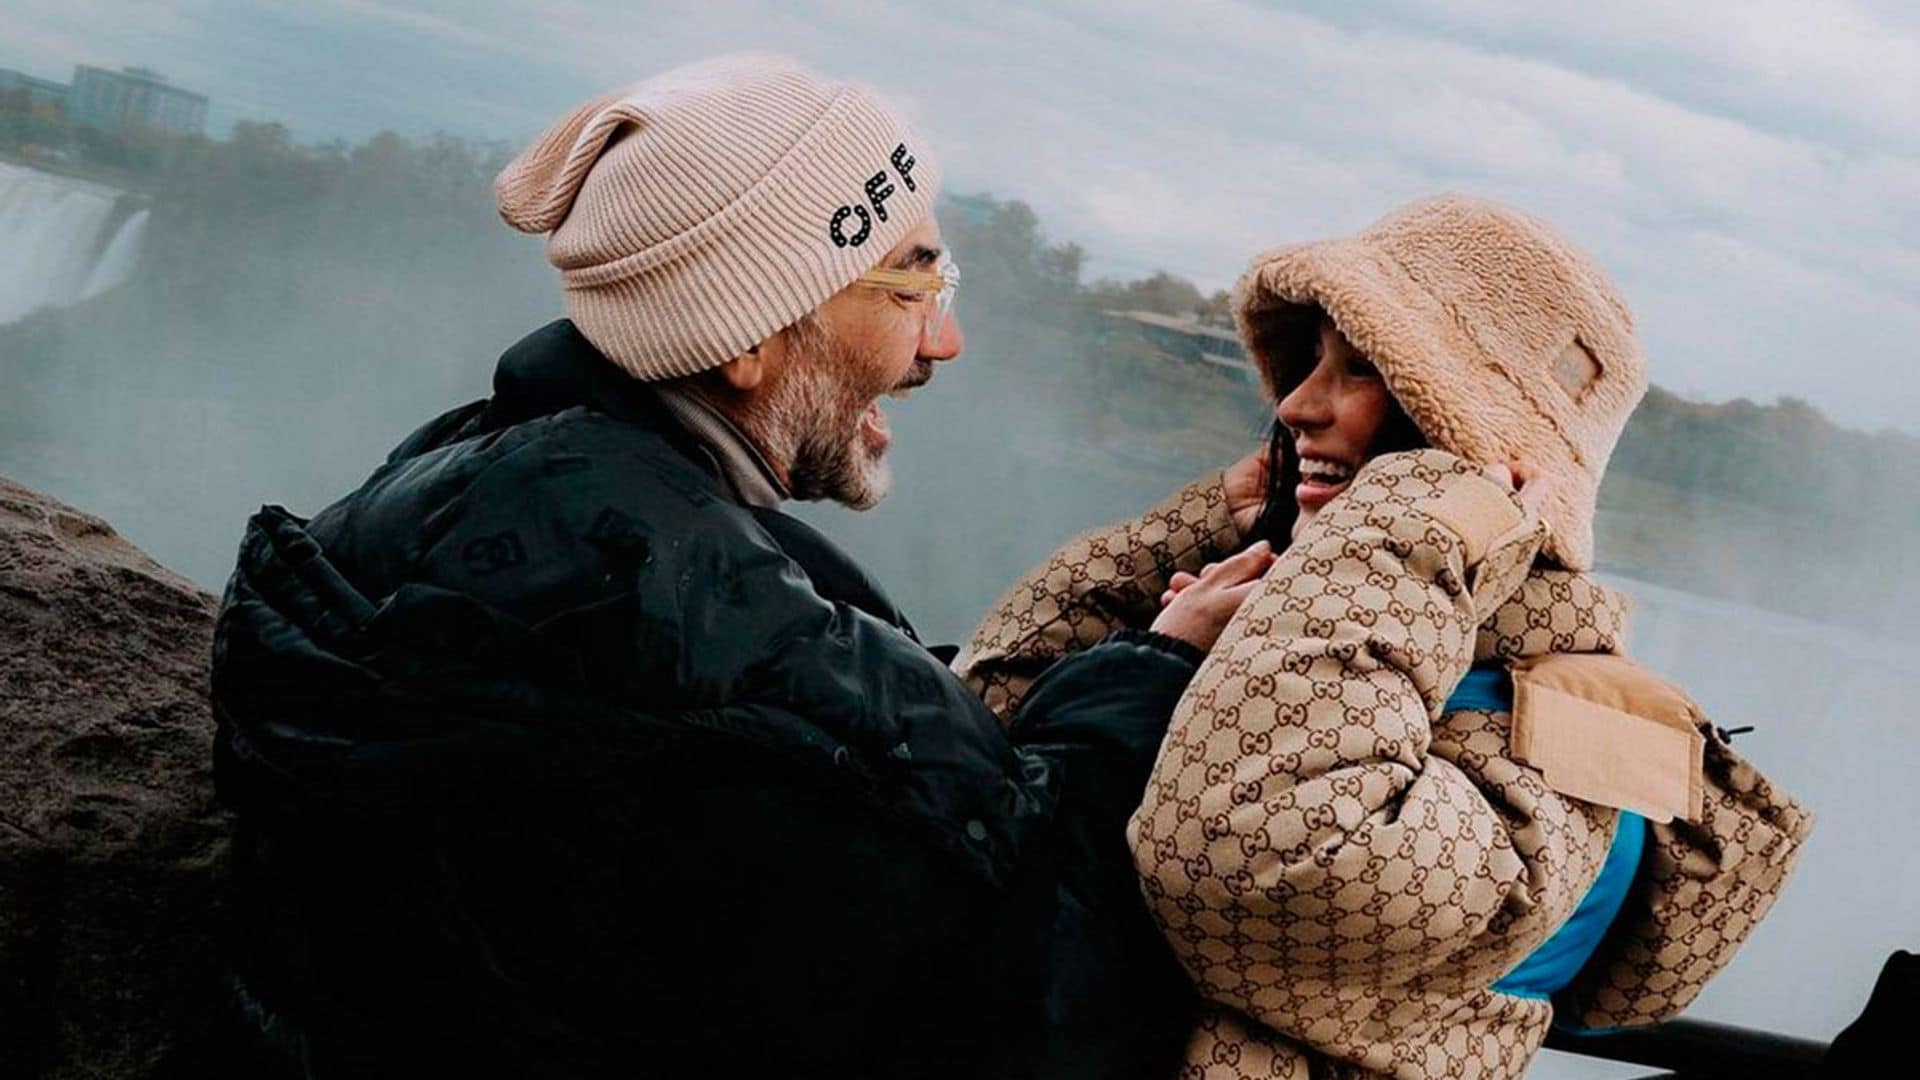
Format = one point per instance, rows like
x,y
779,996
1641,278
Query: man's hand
x,y
1195,608
1245,482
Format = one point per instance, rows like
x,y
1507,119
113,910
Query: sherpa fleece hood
x,y
1495,333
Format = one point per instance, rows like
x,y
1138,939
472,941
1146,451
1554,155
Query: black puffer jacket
x,y
551,759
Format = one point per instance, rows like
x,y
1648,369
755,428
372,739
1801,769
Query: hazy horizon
x,y
1750,172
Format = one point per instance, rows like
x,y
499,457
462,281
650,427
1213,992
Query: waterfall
x,y
62,240
115,264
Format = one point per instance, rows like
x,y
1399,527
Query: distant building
x,y
39,91
1189,339
134,99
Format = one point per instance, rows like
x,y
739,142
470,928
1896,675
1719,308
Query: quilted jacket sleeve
x,y
1103,580
1703,888
1295,829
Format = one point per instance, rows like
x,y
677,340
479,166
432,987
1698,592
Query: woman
x,y
1416,802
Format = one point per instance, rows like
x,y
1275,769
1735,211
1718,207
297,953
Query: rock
x,y
111,843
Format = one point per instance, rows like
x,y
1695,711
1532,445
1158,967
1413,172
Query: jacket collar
x,y
556,368
741,463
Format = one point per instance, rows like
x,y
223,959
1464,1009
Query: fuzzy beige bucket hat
x,y
1496,335
694,214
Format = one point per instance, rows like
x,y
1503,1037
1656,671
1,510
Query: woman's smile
x,y
1320,480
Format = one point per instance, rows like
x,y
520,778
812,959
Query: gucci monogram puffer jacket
x,y
1344,867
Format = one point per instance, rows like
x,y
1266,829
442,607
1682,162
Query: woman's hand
x,y
1528,481
1245,482
1195,608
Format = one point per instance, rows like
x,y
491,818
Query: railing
x,y
1700,1050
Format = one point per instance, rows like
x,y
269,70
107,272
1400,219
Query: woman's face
x,y
1334,417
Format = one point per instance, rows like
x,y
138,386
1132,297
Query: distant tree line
x,y
323,269
392,206
1785,455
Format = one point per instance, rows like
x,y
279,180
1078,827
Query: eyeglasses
x,y
939,285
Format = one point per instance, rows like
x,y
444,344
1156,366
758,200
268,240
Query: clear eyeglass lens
x,y
949,272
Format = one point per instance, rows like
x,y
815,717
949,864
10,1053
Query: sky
x,y
1749,171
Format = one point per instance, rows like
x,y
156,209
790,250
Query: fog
x,y
271,350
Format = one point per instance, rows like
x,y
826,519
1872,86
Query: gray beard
x,y
831,459
810,419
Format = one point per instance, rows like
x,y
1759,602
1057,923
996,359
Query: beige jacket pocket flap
x,y
1603,729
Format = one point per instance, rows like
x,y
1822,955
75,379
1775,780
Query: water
x,y
1837,725
55,233
115,265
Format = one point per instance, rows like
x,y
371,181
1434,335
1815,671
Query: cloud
x,y
1842,70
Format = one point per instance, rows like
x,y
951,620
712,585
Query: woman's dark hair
x,y
1289,337
1277,507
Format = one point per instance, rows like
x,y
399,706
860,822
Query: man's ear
x,y
746,371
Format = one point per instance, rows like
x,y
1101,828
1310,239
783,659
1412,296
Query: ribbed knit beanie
x,y
1495,334
694,214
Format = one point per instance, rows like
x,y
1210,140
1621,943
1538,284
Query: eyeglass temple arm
x,y
916,280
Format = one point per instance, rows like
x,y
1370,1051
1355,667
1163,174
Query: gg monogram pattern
x,y
1314,863
1708,884
1099,581
1555,611
1344,869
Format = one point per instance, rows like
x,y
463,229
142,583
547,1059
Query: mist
x,y
292,313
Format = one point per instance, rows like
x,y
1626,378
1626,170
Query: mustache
x,y
919,375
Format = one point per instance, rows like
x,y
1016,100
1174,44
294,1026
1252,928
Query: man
x,y
558,750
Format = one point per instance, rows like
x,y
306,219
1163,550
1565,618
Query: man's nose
x,y
942,338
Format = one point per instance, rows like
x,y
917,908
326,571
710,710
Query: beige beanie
x,y
696,213
1496,335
